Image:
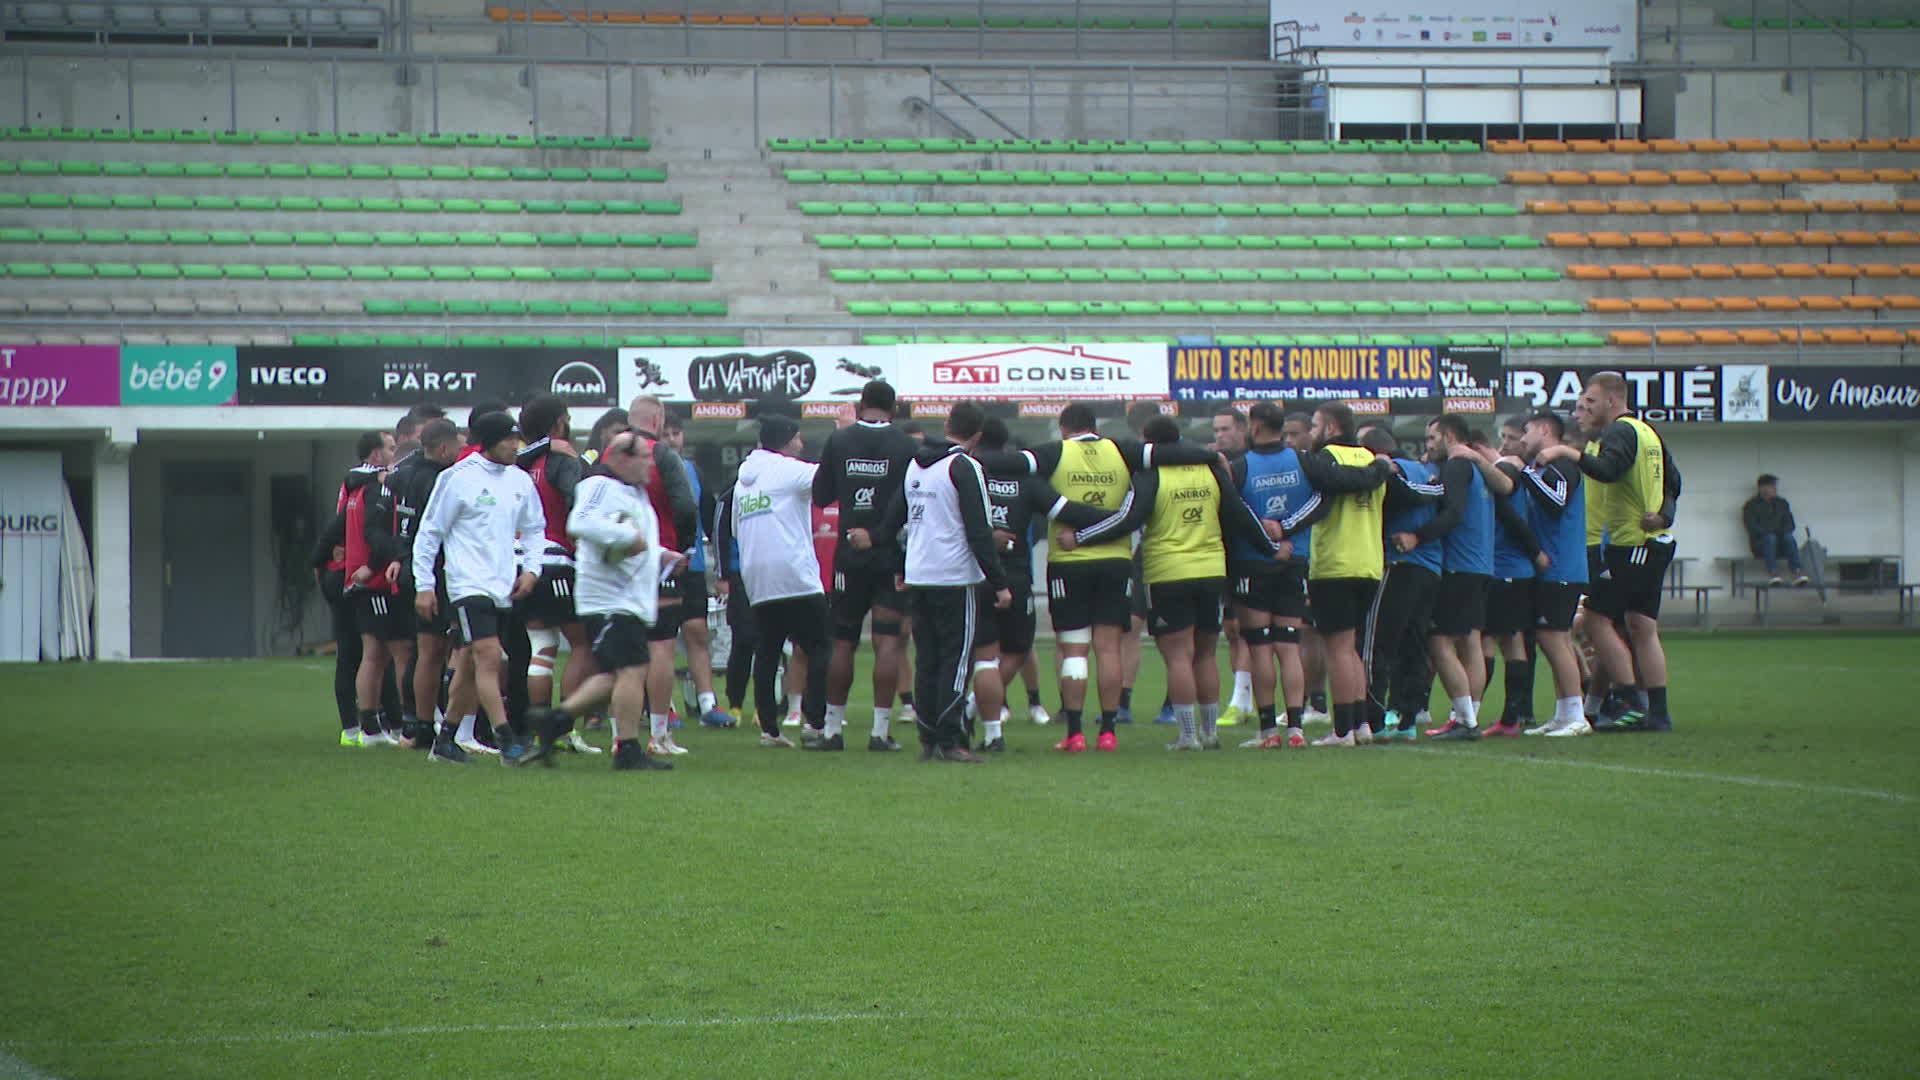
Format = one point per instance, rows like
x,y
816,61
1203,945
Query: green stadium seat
x,y
451,273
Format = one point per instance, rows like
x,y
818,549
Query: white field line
x,y
612,1023
1678,774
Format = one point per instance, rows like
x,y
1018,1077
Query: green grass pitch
x,y
200,884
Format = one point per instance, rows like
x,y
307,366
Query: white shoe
x,y
775,741
793,719
578,745
1004,714
664,745
1254,743
1547,728
1315,716
1184,743
1038,715
1578,727
1209,742
1363,735
907,716
1330,739
475,746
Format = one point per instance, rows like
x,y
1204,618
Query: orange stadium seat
x,y
1792,146
1900,238
1609,178
1903,302
1879,270
1676,337
1790,335
1862,303
1672,206
1913,337
1753,206
1713,272
1778,303
1853,238
1568,240
1909,206
1651,177
1793,206
1651,239
1750,146
1506,146
1872,146
1879,206
1607,305
704,19
1730,176
1670,146
1632,206
1755,271
1711,146
1711,206
1772,176
1545,206
1893,176
1776,238
1651,305
1589,206
1736,303
853,20
1610,240
1797,270
1886,337
1691,177
1627,146
1630,272
1812,176
1635,338
1907,145
1733,238
1569,178
1822,303
1911,270
1845,271
1546,146
1692,239
1582,272
1672,272
1833,146
1844,336
1526,176
1718,337
1693,305
1759,337
1836,206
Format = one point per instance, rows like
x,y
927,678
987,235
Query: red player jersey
x,y
826,538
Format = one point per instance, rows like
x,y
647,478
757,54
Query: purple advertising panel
x,y
46,376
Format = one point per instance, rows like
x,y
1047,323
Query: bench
x,y
1702,602
1853,571
1903,590
1677,574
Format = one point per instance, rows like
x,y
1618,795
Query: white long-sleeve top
x,y
477,512
773,523
608,515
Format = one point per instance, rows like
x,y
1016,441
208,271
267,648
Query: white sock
x,y
465,733
882,723
708,703
1242,690
1184,716
658,723
993,730
972,708
1209,716
1463,711
836,719
793,703
1569,710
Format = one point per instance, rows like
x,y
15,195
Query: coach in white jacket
x,y
480,506
616,590
773,523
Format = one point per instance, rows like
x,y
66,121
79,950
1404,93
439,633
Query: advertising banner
x,y
1461,378
1661,395
1489,24
177,375
1840,393
1086,371
48,376
413,376
797,373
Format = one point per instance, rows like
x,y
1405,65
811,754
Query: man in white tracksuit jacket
x,y
479,507
773,522
616,590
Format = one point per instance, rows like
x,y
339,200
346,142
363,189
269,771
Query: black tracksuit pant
x,y
740,657
802,620
1396,643
947,624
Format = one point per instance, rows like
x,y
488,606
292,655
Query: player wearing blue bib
x,y
1269,595
1516,559
1559,511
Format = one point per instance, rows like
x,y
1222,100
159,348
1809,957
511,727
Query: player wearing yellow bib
x,y
1089,589
1187,511
1348,515
1630,461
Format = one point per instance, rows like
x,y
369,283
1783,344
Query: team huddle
x,y
1333,563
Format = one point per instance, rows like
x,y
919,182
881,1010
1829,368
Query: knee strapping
x,y
545,644
1082,636
986,665
1073,667
885,627
1256,636
1284,635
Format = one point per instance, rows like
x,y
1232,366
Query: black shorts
x,y
666,625
619,641
1633,580
1016,624
1596,562
986,624
551,601
475,619
1460,607
1277,588
1096,593
1509,606
860,589
693,596
1137,599
1341,603
1173,606
1555,603
381,616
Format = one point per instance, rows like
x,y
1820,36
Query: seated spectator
x,y
1769,522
